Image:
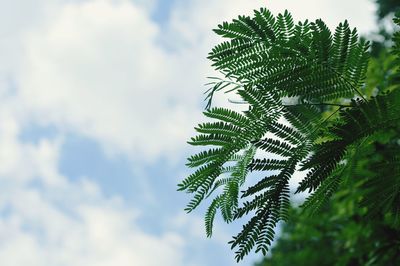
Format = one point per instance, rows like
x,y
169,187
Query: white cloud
x,y
93,234
47,220
98,69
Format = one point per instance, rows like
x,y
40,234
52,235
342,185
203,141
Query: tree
x,y
309,110
386,7
342,233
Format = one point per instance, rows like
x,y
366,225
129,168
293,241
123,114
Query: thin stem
x,y
221,80
237,101
325,120
348,81
331,104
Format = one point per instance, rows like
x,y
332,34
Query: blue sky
x,y
98,99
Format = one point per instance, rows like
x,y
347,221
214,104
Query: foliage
x,y
291,75
345,228
338,236
343,232
386,7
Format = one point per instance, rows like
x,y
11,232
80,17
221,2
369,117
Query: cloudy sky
x,y
97,100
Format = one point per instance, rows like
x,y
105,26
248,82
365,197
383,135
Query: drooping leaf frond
x,y
381,113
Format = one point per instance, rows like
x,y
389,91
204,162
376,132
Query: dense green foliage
x,y
345,228
309,110
386,7
339,235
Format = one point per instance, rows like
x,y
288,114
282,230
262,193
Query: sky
x,y
97,101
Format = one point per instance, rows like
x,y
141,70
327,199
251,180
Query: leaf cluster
x,y
303,86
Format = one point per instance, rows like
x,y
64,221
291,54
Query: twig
x,y
349,82
331,104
